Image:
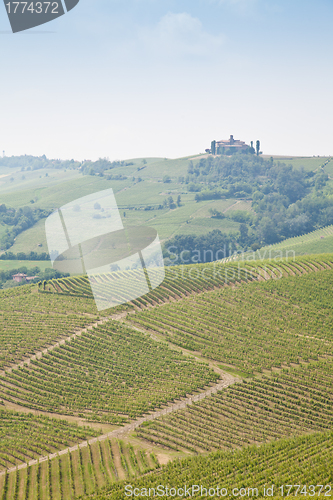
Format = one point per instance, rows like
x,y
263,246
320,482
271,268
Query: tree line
x,y
6,277
17,221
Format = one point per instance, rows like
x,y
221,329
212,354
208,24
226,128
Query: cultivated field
x,y
219,357
303,461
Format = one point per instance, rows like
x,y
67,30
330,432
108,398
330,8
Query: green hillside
x,y
308,163
316,242
215,194
218,357
7,265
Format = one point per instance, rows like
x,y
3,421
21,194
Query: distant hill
x,y
316,242
254,200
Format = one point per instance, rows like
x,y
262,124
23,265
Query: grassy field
x,y
7,265
308,163
36,179
189,218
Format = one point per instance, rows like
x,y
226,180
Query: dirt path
x,y
221,384
231,206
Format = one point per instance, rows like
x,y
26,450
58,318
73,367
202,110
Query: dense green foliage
x,y
292,402
287,202
25,256
306,460
24,436
184,249
239,327
108,375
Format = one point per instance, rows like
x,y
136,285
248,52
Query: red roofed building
x,y
21,276
229,146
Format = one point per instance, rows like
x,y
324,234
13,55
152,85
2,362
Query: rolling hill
x,y
257,382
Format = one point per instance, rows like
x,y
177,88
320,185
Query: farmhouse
x,y
21,276
229,146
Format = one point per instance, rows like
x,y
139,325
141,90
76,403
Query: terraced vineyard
x,y
24,437
255,326
109,375
31,321
181,281
296,401
114,373
81,472
305,461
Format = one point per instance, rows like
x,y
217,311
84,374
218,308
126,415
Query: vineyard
x,y
275,333
295,401
239,327
80,472
182,281
30,321
24,437
179,281
110,374
306,460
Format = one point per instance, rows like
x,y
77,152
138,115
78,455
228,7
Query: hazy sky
x,y
165,77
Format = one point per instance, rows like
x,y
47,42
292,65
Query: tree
x,y
244,233
179,200
213,147
171,202
258,147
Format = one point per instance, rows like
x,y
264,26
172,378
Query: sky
x,y
163,78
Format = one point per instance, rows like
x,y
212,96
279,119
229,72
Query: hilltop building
x,y
229,146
